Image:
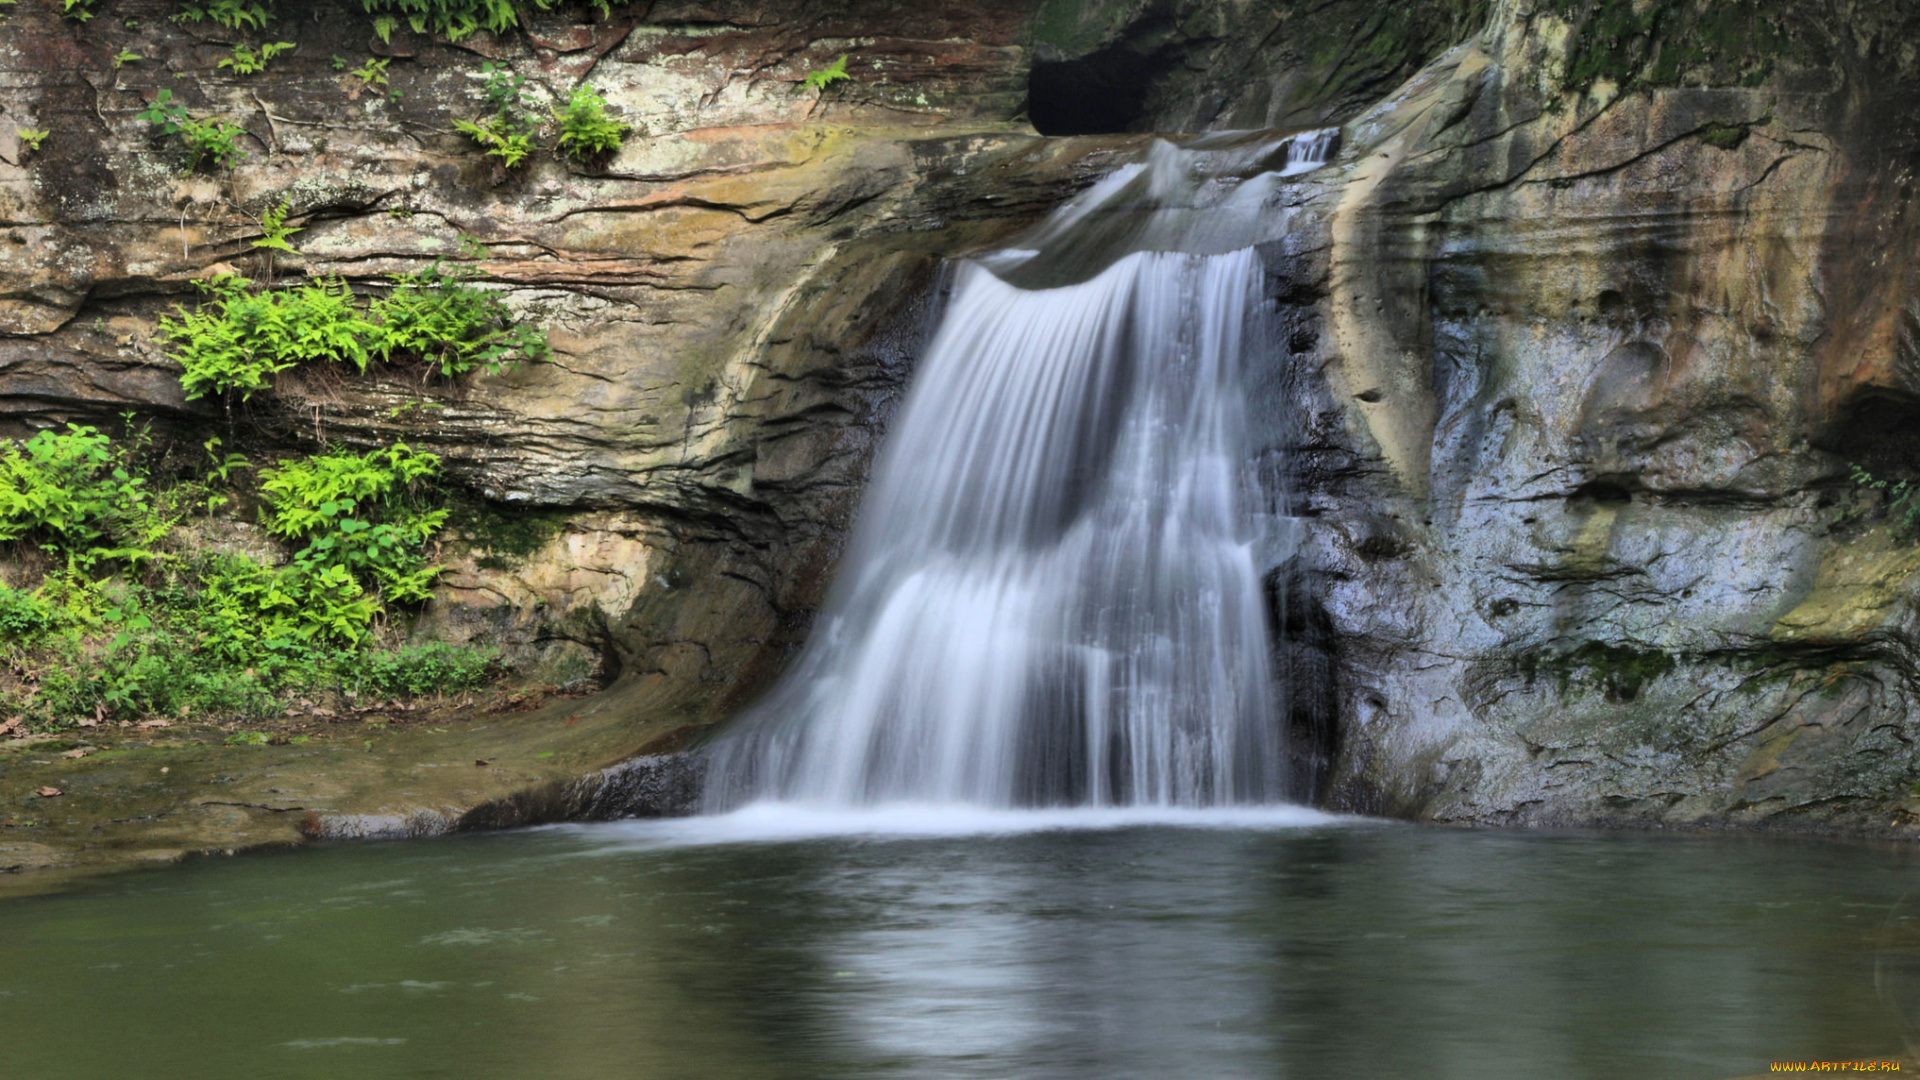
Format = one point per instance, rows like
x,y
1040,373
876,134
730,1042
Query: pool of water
x,y
928,944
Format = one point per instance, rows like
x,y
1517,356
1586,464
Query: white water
x,y
780,822
1051,597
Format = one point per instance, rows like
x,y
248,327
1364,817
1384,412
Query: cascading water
x,y
1051,597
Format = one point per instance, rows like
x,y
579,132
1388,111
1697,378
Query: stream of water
x,y
1093,945
1051,596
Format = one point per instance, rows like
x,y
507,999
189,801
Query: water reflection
x,y
1295,950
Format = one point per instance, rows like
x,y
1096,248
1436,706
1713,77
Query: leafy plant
x,y
1899,503
245,61
70,488
206,138
210,633
586,132
440,316
452,19
498,138
124,57
505,90
418,670
508,133
273,224
239,339
371,73
77,10
22,613
821,78
232,14
31,138
359,514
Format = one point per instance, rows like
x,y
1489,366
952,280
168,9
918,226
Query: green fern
x,y
586,132
371,73
206,138
511,147
232,14
822,78
274,225
245,61
454,20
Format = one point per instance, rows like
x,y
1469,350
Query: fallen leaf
x,y
75,753
47,792
12,725
155,723
86,722
480,763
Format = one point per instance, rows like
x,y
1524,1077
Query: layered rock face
x,y
732,298
1587,351
1580,336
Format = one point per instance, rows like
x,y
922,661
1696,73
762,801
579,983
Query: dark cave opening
x,y
1101,93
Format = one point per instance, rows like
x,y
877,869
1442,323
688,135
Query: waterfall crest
x,y
1051,596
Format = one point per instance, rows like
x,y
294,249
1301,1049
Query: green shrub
x,y
371,73
232,14
70,487
206,138
440,316
821,78
275,230
498,139
125,632
508,132
361,515
245,61
586,132
238,339
22,613
1899,504
452,19
421,670
148,674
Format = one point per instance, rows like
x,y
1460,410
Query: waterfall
x,y
1051,596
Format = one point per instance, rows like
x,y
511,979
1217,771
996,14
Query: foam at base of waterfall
x,y
777,822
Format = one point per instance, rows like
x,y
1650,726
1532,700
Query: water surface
x,y
924,944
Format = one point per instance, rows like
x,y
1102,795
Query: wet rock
x,y
1574,439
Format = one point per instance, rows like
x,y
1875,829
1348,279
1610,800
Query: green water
x,y
1288,949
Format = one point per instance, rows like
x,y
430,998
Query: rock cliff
x,y
1593,322
1582,333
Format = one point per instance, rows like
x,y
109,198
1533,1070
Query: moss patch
x,y
508,536
1725,136
1620,672
1672,42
